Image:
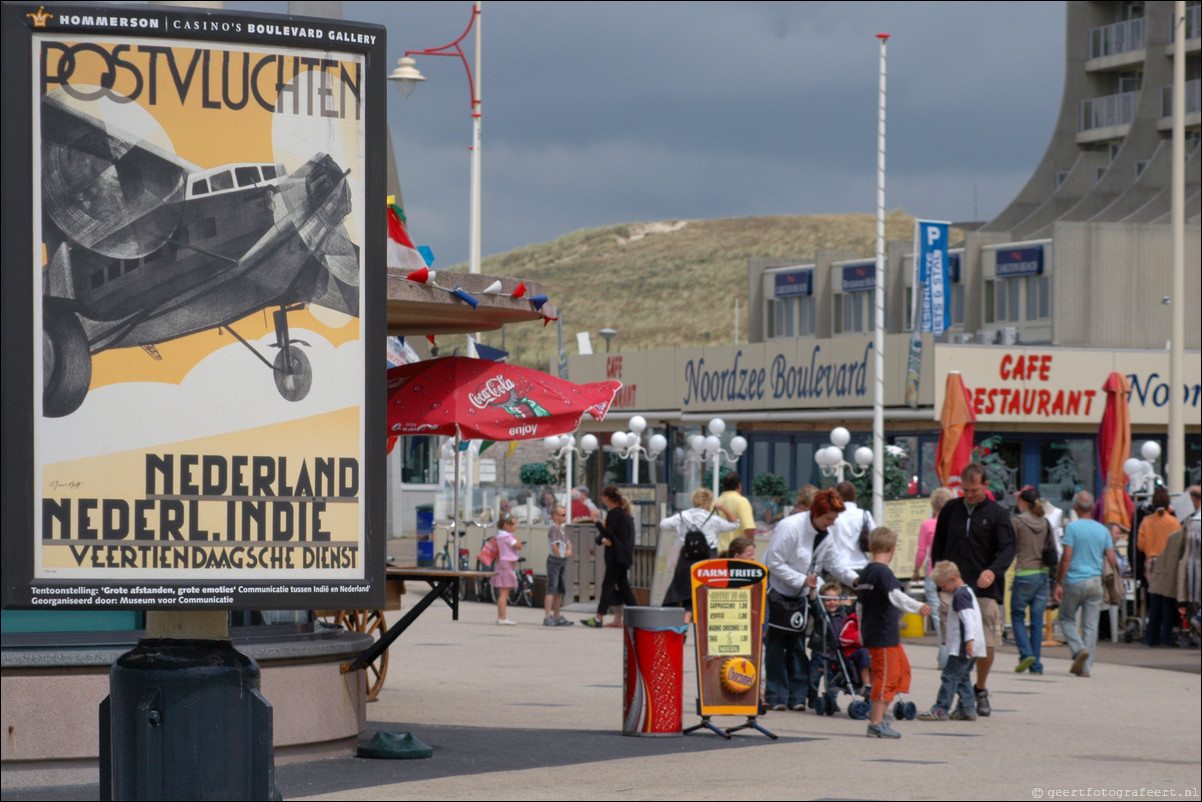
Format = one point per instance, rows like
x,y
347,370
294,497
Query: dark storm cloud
x,y
598,113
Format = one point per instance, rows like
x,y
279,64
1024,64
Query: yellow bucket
x,y
913,625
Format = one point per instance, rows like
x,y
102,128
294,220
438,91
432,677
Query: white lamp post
x,y
406,77
710,447
830,458
630,444
563,447
1142,478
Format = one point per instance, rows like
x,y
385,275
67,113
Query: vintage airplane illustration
x,y
143,247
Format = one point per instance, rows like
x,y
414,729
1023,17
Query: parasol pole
x,y
455,509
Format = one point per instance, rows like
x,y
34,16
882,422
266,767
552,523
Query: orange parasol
x,y
956,423
1113,447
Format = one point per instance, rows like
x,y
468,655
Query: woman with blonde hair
x,y
805,497
710,519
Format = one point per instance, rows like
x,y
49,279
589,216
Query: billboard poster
x,y
200,195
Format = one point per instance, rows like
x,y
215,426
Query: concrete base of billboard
x,y
52,694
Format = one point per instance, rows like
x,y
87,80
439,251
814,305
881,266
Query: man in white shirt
x,y
839,552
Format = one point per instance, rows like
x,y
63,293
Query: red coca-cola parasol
x,y
477,399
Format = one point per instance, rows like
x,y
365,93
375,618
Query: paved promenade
x,y
530,712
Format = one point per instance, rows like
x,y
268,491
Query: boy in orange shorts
x,y
879,596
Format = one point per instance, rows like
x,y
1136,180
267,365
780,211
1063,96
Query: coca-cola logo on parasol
x,y
503,393
493,392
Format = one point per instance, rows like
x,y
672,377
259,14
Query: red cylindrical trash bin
x,y
652,688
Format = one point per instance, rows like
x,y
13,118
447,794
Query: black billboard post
x,y
193,315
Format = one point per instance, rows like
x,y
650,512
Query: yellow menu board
x,y
729,615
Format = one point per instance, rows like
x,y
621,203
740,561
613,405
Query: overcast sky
x,y
602,113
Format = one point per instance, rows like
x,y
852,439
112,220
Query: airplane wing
x,y
105,189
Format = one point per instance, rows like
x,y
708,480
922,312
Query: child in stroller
x,y
837,660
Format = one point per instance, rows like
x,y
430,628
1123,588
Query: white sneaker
x,y
505,622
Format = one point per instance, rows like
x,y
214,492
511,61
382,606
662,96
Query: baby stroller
x,y
838,672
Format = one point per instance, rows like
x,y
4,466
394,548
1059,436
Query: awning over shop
x,y
416,309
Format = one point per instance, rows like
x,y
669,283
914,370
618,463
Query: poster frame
x,y
21,399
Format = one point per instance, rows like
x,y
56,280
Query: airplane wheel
x,y
66,361
293,384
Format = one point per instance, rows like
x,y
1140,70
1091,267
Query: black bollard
x,y
187,722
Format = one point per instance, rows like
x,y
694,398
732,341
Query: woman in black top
x,y
617,535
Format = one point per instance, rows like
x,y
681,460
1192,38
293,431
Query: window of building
x,y
419,460
790,309
1005,293
791,317
854,312
807,319
957,298
786,316
1003,296
1066,466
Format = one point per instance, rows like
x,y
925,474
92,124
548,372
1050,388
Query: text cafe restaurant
x,y
1038,407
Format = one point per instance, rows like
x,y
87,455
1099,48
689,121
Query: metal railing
x,y
1102,112
1119,37
1193,97
1193,23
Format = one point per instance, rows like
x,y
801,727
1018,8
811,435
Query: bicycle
x,y
442,560
523,594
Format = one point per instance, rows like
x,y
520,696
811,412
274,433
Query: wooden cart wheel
x,y
372,623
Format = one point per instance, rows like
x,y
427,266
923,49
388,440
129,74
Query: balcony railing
x,y
1193,23
1121,37
1193,97
1103,112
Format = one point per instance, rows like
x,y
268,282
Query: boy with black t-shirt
x,y
879,596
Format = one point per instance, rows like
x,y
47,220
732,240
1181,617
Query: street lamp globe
x,y
1150,450
716,427
1134,467
618,439
840,437
406,76
863,456
589,443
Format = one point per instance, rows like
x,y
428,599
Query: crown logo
x,y
40,17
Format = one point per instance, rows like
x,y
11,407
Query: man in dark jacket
x,y
975,533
